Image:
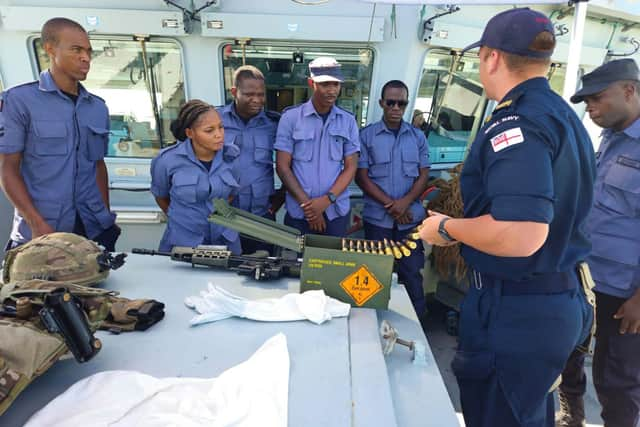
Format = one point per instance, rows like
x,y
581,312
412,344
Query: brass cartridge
x,y
387,248
396,251
414,236
405,250
410,244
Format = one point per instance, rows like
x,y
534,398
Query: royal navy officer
x,y
527,187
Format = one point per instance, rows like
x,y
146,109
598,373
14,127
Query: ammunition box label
x,y
361,285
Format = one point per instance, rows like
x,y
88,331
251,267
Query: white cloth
x,y
217,304
253,393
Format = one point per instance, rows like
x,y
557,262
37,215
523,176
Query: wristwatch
x,y
332,197
443,231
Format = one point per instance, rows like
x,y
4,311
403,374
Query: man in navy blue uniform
x,y
317,155
253,130
392,171
53,139
527,187
612,95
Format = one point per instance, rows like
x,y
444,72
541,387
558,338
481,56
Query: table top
x,y
338,374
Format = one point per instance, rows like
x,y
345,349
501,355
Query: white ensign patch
x,y
507,139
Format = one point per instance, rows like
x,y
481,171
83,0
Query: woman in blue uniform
x,y
188,175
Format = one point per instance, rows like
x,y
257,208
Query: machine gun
x,y
259,266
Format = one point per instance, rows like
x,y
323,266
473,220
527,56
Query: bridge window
x,y
452,102
286,68
142,83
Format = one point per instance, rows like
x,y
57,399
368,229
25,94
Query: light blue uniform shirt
x,y
317,150
178,174
393,164
60,143
255,140
614,221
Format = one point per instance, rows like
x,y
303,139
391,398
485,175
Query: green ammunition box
x,y
358,278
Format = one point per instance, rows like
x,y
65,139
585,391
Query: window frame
x,y
35,64
301,45
437,165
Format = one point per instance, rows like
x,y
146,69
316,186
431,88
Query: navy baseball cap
x,y
514,30
600,78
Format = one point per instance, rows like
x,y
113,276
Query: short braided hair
x,y
189,114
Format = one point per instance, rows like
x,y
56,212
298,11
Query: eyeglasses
x,y
393,102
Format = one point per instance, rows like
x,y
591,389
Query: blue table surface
x,y
338,374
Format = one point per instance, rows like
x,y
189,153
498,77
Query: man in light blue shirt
x,y
612,95
253,130
317,155
53,139
392,171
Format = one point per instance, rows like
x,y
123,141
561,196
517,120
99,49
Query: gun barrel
x,y
143,251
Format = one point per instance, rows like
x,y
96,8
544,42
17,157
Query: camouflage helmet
x,y
60,257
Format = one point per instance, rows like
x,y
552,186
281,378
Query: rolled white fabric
x,y
253,393
217,303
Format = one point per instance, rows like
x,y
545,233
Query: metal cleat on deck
x,y
390,336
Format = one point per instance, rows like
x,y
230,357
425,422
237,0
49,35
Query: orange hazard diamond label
x,y
361,285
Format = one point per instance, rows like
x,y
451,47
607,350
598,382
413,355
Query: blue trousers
x,y
512,348
337,227
616,368
408,267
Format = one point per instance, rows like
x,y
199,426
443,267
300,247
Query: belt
x,y
545,283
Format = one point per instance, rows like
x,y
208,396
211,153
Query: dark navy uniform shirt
x,y
614,222
255,140
60,141
531,161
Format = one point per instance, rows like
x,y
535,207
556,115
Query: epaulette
x,y
291,107
511,102
274,116
93,95
507,103
504,104
168,148
21,85
346,111
368,126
